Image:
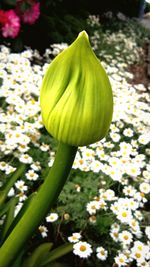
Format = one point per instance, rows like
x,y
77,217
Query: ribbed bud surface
x,y
76,96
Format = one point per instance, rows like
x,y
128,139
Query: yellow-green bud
x,y
76,96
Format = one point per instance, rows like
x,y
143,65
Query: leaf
x,y
8,185
56,264
38,255
21,213
18,262
57,253
9,218
4,208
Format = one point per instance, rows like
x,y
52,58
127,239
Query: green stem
x,y
40,205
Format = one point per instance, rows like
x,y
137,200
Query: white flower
x,y
43,230
125,147
115,226
140,251
124,216
132,204
31,175
140,196
74,238
129,190
82,249
115,208
128,132
101,253
52,217
115,173
108,195
146,174
3,166
18,208
21,185
147,231
25,158
9,169
92,207
36,166
44,147
11,192
134,224
21,196
125,237
144,139
114,235
143,264
115,137
133,170
121,260
144,188
138,215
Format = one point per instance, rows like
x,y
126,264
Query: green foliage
x,y
38,255
103,223
56,254
74,203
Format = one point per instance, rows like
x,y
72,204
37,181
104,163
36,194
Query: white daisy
x,y
144,188
20,184
121,260
125,237
74,238
52,217
82,249
101,253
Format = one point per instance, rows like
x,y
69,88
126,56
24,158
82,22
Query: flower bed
x,y
103,209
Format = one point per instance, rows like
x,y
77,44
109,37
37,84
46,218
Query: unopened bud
x,y
76,96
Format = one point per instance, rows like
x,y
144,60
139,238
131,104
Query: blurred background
x,y
41,23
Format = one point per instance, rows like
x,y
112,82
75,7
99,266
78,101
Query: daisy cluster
x,y
120,159
20,119
119,46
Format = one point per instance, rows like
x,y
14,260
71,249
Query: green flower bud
x,y
76,96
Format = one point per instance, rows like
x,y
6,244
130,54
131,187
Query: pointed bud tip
x,y
83,34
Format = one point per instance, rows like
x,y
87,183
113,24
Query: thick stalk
x,y
40,205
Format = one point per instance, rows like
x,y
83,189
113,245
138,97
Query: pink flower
x,y
32,14
12,26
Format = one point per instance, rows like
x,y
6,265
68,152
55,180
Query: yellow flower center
x,y
121,260
124,214
81,161
82,248
116,234
138,255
